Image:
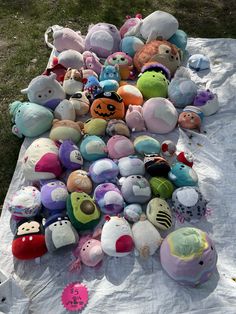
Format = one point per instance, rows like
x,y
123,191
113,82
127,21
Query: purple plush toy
x,y
120,146
53,195
207,102
109,198
70,156
102,39
134,118
103,170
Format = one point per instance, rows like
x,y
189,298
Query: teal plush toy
x,y
145,144
30,119
179,39
131,45
93,147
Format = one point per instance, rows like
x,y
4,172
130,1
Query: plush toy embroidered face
x,y
160,115
92,148
82,211
131,95
95,126
159,214
182,175
70,156
117,238
45,90
78,180
109,198
92,62
29,240
134,118
145,144
117,127
132,212
30,119
119,146
156,166
119,58
73,81
207,101
110,72
102,39
108,105
188,256
66,130
59,233
189,203
80,102
161,187
136,189
54,194
146,237
103,170
26,202
41,160
131,165
189,120
185,158
93,86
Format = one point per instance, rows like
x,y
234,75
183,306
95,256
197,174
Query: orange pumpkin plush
x,y
108,105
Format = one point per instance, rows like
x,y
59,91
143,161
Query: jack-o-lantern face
x,y
108,106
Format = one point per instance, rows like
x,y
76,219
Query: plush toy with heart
x,y
116,237
70,156
159,214
103,170
79,181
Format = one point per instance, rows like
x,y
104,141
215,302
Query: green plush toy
x,y
82,211
95,126
161,187
153,84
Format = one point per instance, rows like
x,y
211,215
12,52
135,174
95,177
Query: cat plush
x,y
70,156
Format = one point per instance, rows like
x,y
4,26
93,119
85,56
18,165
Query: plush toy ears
x,y
24,91
107,217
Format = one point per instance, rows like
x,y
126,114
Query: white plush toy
x,y
146,237
65,111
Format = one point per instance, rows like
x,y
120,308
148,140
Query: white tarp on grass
x,y
127,285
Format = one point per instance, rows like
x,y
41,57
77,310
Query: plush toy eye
x,y
177,58
39,96
201,263
172,57
138,177
23,228
212,248
167,51
51,184
77,95
153,75
182,166
61,183
49,91
18,111
114,58
122,59
110,107
99,106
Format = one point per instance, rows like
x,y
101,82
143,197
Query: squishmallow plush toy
x,y
91,61
109,85
132,212
103,170
109,198
188,255
117,127
160,115
129,23
88,252
45,90
93,147
124,62
108,105
182,175
65,111
168,148
207,101
160,51
110,72
156,165
70,156
136,189
119,146
134,118
73,81
199,62
190,118
96,126
159,214
79,181
41,160
102,39
131,165
179,39
30,119
70,59
53,195
185,158
59,233
82,211
189,204
130,45
158,24
80,102
131,95
146,237
116,237
25,203
66,130
29,240
93,86
161,187
145,144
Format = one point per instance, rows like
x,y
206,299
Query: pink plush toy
x,y
134,118
91,61
88,252
130,22
120,146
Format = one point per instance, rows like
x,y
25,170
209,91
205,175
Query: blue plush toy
x,y
179,39
109,85
198,62
145,144
103,170
30,119
110,72
182,175
93,147
131,45
93,86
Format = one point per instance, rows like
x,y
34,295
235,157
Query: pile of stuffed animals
x,y
100,184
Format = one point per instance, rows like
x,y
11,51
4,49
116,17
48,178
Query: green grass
x,y
22,28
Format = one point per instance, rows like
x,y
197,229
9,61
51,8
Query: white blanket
x,y
126,285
